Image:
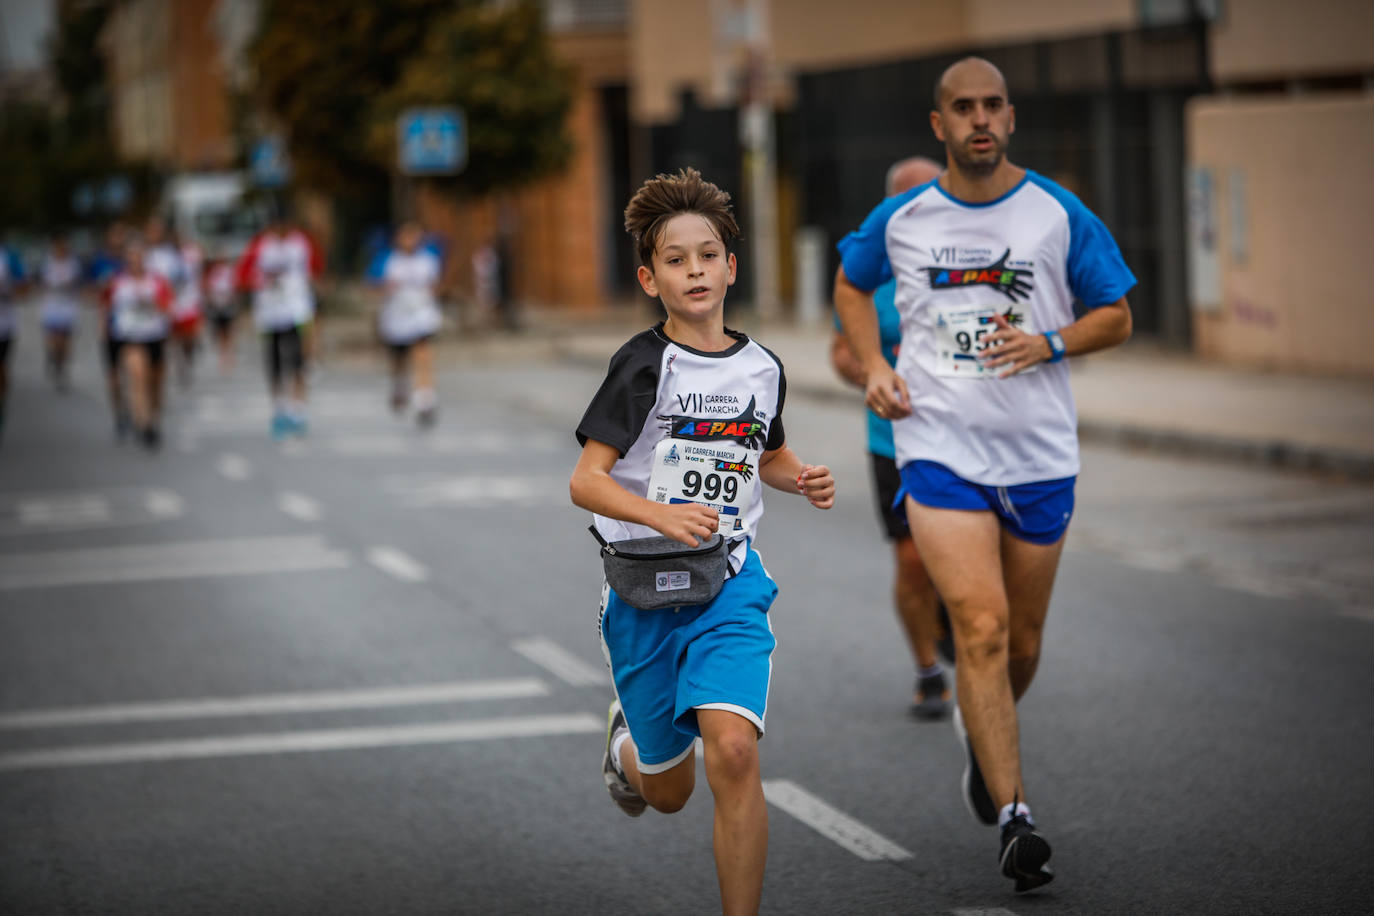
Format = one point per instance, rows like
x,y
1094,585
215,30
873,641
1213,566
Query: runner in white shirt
x,y
988,261
162,257
280,267
409,319
60,276
140,305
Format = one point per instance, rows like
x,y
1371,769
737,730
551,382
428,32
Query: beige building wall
x,y
681,44
1281,39
1293,196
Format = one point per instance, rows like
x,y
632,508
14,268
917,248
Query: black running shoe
x,y
622,793
1025,855
944,643
152,438
976,796
931,698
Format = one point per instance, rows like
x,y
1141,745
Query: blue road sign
x,y
431,141
270,163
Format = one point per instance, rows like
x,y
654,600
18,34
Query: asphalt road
x,y
359,673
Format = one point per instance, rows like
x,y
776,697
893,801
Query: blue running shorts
x,y
1037,512
668,663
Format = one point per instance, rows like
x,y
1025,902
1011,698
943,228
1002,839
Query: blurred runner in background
x,y
186,308
60,276
106,264
279,268
409,277
222,303
140,303
918,607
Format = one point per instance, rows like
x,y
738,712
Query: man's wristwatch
x,y
1057,351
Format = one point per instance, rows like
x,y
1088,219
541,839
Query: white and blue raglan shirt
x,y
690,426
1026,255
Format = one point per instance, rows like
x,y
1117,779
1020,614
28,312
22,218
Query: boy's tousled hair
x,y
661,198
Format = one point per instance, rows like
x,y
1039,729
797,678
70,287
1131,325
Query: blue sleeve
x,y
863,252
16,266
1097,273
376,270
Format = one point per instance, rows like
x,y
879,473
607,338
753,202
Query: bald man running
x,y
917,605
988,260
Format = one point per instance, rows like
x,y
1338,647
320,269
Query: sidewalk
x,y
1135,396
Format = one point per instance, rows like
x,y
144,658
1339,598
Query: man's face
x,y
974,120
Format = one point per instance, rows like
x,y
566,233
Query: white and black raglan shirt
x,y
690,426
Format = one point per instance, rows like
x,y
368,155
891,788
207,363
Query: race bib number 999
x,y
716,474
961,338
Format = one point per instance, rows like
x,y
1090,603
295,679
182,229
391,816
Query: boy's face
x,y
692,269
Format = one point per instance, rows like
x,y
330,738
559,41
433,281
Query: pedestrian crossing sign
x,y
431,141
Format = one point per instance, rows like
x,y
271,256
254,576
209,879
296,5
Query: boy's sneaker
x,y
298,425
931,698
622,793
1025,855
976,796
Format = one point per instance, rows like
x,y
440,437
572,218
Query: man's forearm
x,y
1100,328
859,319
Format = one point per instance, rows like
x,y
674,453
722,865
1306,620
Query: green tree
x,y
496,63
320,67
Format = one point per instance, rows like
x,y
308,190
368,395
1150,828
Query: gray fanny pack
x,y
659,572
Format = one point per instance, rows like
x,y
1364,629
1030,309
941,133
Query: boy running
x,y
691,384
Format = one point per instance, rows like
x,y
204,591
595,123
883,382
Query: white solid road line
x,y
234,467
176,560
276,703
298,506
333,739
831,823
401,565
985,911
562,663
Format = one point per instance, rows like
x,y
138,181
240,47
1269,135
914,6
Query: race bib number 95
x,y
721,475
961,338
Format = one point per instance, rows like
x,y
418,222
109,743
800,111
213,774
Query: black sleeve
x,y
622,404
777,438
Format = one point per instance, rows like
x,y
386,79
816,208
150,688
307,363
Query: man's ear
x,y
937,125
646,281
1011,110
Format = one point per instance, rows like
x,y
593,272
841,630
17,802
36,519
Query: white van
x,y
213,210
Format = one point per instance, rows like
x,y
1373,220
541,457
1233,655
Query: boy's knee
x,y
667,798
734,755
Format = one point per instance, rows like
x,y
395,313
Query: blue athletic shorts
x,y
668,663
1037,512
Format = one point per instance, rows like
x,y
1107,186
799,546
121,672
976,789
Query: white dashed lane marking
x,y
562,663
299,506
831,823
395,563
234,467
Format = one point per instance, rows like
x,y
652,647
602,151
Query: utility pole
x,y
760,160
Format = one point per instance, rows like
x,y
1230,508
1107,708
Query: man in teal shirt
x,y
918,607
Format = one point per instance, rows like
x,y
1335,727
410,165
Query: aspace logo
x,y
742,468
746,428
1012,282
